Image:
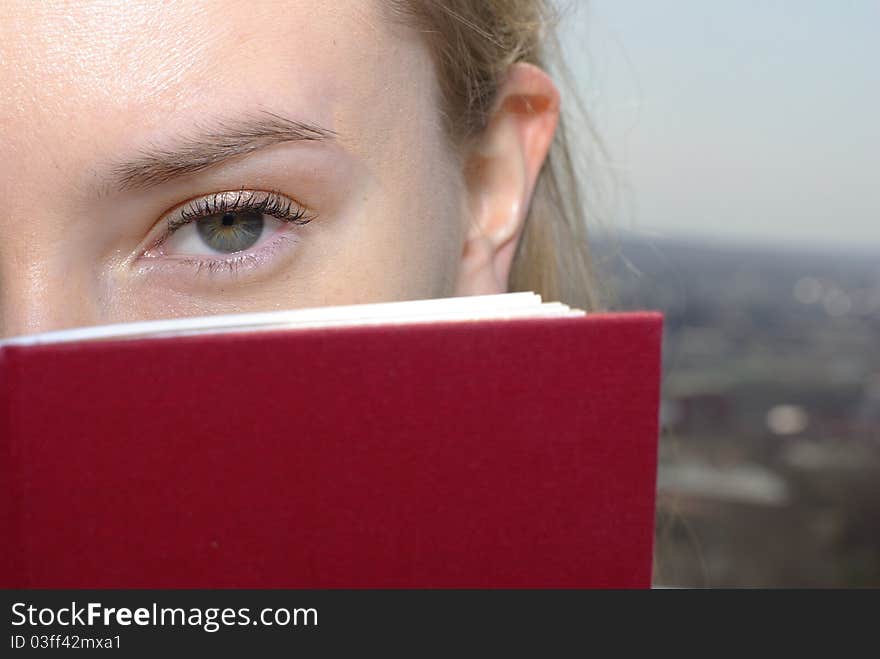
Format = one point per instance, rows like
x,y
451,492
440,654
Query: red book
x,y
497,452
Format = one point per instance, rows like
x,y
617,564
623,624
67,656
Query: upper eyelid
x,y
220,202
203,205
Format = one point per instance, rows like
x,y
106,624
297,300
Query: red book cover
x,y
494,453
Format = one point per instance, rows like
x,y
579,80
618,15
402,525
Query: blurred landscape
x,y
770,446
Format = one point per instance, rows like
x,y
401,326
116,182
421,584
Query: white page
x,y
475,307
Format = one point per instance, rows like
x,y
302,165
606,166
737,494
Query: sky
x,y
736,120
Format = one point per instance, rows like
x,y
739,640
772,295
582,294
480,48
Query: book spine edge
x,y
658,343
11,550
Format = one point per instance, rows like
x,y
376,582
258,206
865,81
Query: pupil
x,y
228,219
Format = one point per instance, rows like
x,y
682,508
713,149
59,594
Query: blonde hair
x,y
473,44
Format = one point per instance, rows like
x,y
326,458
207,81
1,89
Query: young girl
x,y
199,158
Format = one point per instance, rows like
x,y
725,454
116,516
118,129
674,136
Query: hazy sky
x,y
737,119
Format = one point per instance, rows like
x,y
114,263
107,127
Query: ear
x,y
501,168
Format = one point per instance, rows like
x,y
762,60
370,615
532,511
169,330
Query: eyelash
x,y
271,203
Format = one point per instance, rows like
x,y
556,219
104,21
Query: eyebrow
x,y
207,146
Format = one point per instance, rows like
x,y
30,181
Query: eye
x,y
221,233
226,224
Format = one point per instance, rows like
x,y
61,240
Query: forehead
x,y
88,72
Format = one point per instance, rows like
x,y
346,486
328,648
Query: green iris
x,y
232,231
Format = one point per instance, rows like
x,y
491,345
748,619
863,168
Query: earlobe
x,y
501,170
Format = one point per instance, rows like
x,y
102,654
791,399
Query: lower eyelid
x,y
255,258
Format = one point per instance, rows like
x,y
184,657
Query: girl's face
x,y
192,158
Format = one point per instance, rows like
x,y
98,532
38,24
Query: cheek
x,y
425,194
400,236
437,238
414,236
394,247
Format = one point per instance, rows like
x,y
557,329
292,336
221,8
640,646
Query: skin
x,y
396,212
